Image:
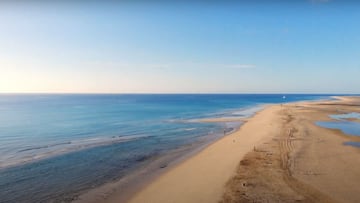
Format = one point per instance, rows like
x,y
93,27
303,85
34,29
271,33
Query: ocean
x,y
54,147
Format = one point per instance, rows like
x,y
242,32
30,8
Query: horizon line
x,y
173,93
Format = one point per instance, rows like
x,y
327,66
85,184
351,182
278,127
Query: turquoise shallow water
x,y
55,146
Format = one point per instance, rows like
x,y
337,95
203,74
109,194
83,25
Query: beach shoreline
x,y
175,194
175,129
206,175
209,175
125,188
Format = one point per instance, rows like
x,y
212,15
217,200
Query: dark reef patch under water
x,y
59,179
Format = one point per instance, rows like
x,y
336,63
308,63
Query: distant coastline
x,y
224,118
258,161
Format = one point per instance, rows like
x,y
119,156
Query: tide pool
x,y
347,126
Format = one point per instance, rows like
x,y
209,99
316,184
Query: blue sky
x,y
309,46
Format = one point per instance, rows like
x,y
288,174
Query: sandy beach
x,y
302,162
278,155
202,177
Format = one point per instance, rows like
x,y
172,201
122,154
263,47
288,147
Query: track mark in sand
x,y
265,174
286,146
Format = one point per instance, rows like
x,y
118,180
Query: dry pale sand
x,y
303,162
202,178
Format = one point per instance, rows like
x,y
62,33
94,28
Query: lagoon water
x,y
347,126
53,147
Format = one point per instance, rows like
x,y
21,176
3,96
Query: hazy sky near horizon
x,y
306,46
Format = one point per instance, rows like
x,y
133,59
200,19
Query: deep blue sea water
x,y
53,147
